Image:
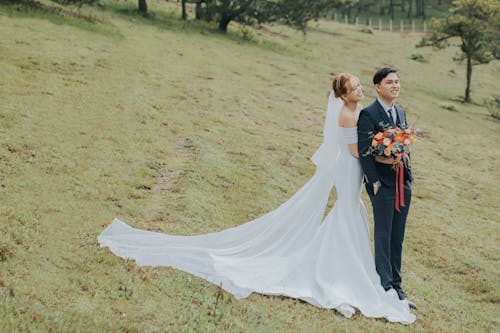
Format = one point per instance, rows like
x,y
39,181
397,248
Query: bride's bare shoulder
x,y
347,118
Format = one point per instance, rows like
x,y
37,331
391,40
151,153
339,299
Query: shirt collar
x,y
386,108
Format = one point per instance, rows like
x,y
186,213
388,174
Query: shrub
x,y
448,106
366,30
246,34
493,106
418,57
6,251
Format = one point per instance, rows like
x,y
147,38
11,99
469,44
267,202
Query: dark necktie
x,y
392,115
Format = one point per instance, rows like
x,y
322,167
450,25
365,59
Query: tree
x,y
295,13
230,10
204,10
476,25
184,14
421,9
143,6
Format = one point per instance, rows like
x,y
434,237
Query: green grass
x,y
81,18
176,128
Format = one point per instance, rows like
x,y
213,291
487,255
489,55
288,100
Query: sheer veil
x,y
326,157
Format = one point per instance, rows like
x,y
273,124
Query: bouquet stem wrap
x,y
400,190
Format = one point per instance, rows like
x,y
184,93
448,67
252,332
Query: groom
x,y
380,180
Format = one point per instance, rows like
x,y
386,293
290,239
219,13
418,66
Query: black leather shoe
x,y
402,296
411,304
401,293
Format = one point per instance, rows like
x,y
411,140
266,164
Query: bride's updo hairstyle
x,y
341,83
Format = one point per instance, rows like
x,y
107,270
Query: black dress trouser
x,y
389,233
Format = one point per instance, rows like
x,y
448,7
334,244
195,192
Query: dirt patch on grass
x,y
167,181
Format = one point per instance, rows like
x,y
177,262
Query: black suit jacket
x,y
371,120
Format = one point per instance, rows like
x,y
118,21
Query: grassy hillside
x,y
175,128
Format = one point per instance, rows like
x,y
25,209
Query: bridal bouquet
x,y
392,142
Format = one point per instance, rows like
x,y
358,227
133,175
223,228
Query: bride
x,y
290,251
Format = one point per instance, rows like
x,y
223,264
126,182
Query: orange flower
x,y
387,152
398,138
379,136
375,143
386,141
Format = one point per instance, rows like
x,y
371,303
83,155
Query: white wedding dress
x,y
290,251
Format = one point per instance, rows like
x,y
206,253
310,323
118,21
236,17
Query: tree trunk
x,y
197,10
423,9
469,75
209,10
224,22
143,6
184,15
410,2
391,9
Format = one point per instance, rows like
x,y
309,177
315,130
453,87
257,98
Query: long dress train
x,y
289,251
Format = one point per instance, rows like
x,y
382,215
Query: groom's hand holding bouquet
x,y
392,146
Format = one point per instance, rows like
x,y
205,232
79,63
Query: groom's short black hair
x,y
382,73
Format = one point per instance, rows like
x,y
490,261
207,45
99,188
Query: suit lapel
x,y
382,112
400,121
